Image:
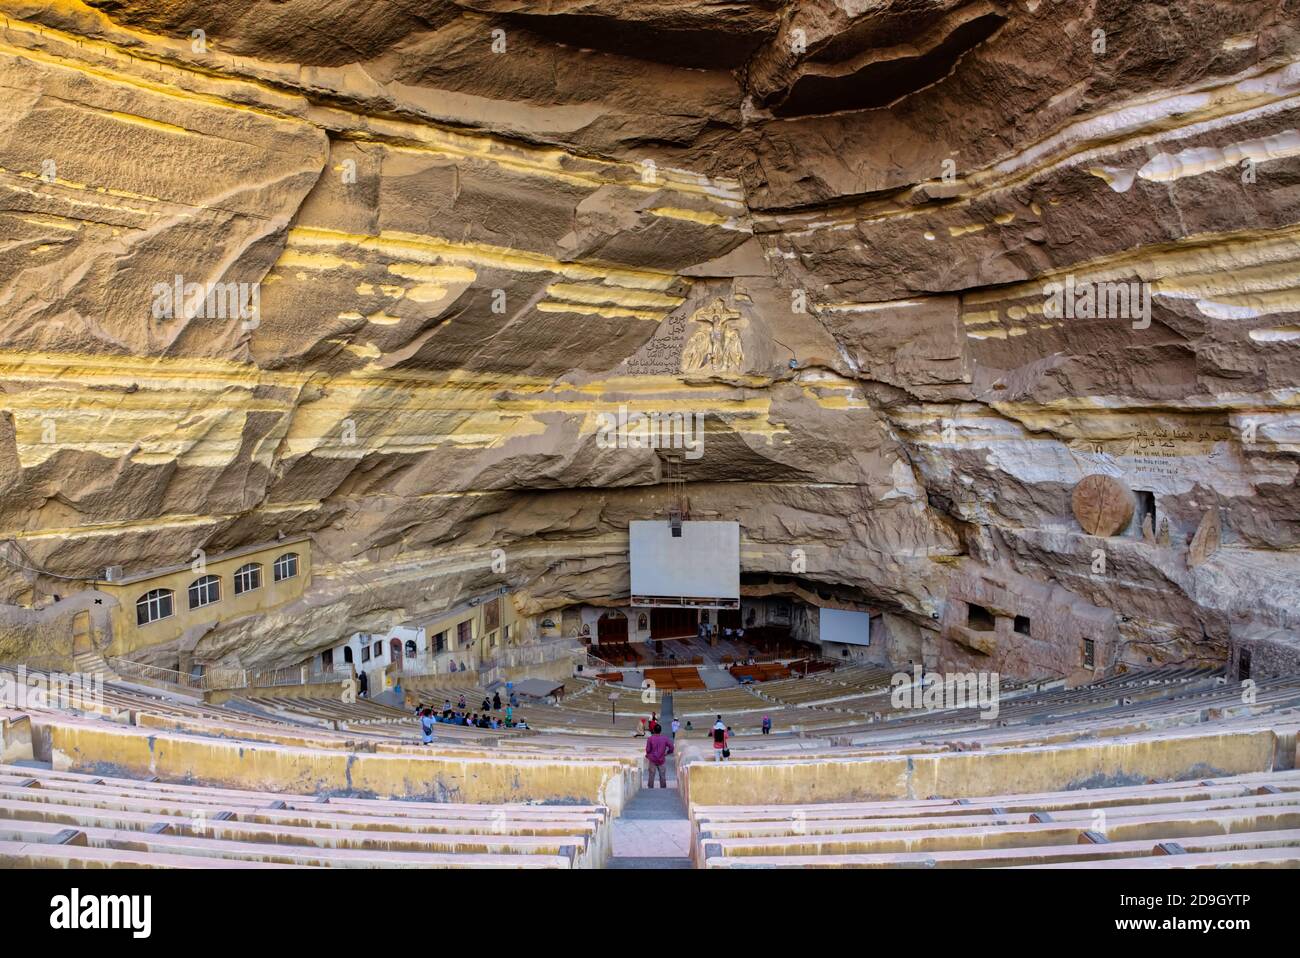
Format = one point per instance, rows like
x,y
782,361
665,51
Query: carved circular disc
x,y
1103,505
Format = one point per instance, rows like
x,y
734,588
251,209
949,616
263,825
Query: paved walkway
x,y
653,831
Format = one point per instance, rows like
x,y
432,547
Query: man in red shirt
x,y
657,748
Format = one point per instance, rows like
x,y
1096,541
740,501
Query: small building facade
x,y
461,638
163,605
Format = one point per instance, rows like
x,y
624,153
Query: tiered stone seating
x,y
825,687
841,746
65,819
1151,726
1120,704
743,710
1243,821
147,732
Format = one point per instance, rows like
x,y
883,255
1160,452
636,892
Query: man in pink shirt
x,y
657,747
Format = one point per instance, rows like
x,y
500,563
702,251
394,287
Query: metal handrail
x,y
128,669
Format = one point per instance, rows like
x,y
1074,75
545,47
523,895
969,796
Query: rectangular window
x,y
365,653
1022,624
1089,650
978,618
464,633
440,643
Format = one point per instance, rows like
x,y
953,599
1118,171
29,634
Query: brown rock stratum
x,y
922,264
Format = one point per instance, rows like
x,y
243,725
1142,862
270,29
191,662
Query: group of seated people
x,y
460,715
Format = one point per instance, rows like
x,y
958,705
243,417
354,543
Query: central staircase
x,y
653,831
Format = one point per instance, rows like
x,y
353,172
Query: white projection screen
x,y
700,569
848,628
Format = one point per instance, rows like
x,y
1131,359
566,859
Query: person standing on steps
x,y
676,726
767,725
363,685
426,727
719,739
657,747
496,701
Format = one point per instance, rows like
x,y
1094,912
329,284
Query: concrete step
x,y
656,803
650,838
92,663
653,827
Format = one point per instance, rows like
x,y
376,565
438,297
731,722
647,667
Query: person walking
x,y
426,727
767,725
720,740
676,726
657,747
363,685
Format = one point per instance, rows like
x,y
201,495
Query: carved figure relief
x,y
715,346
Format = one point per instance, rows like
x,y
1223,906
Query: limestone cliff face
x,y
453,234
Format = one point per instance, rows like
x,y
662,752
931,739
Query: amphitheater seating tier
x,y
1242,821
1181,767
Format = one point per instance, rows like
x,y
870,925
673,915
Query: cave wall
x,y
474,227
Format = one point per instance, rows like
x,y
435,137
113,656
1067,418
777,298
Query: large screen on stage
x,y
702,564
850,628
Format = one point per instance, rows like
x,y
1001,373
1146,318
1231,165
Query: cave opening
x,y
1146,509
979,619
